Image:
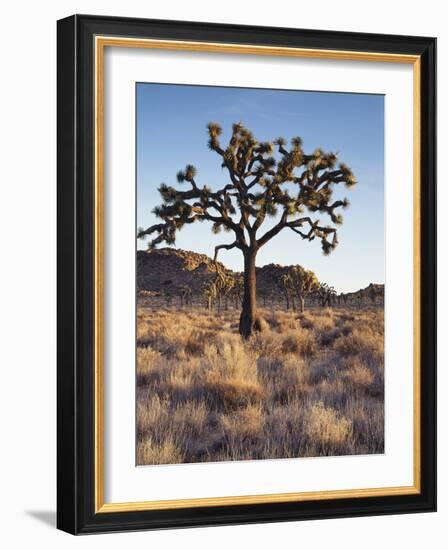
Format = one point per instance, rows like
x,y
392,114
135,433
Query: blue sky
x,y
171,132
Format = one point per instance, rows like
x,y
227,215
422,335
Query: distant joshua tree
x,y
303,283
266,179
224,284
238,289
326,295
286,285
168,298
210,293
185,295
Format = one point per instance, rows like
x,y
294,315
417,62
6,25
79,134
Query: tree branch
x,y
226,247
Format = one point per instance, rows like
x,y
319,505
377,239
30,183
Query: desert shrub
x,y
365,342
296,370
268,344
306,320
326,426
231,393
150,452
302,342
327,338
196,341
323,323
367,415
359,375
149,368
229,375
286,321
284,379
243,424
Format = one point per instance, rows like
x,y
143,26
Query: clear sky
x,y
171,132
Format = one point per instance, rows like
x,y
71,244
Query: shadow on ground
x,y
48,517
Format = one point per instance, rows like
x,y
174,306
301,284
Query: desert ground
x,y
308,385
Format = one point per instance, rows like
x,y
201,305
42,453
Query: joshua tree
x,y
238,289
373,292
303,283
168,298
286,284
265,179
209,293
224,284
185,295
326,294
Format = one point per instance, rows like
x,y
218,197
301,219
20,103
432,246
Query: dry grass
x,y
310,384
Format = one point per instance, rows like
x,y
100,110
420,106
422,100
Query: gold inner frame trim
x,y
101,42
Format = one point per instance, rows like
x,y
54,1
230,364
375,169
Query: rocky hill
x,y
166,270
268,278
169,269
372,294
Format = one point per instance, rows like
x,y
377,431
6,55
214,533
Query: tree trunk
x,y
248,318
302,304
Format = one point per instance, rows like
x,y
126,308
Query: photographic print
x,y
260,274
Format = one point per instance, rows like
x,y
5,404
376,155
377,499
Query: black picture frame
x,y
76,264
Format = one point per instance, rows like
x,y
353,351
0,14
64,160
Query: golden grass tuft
x,y
150,452
326,426
359,375
364,342
302,342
